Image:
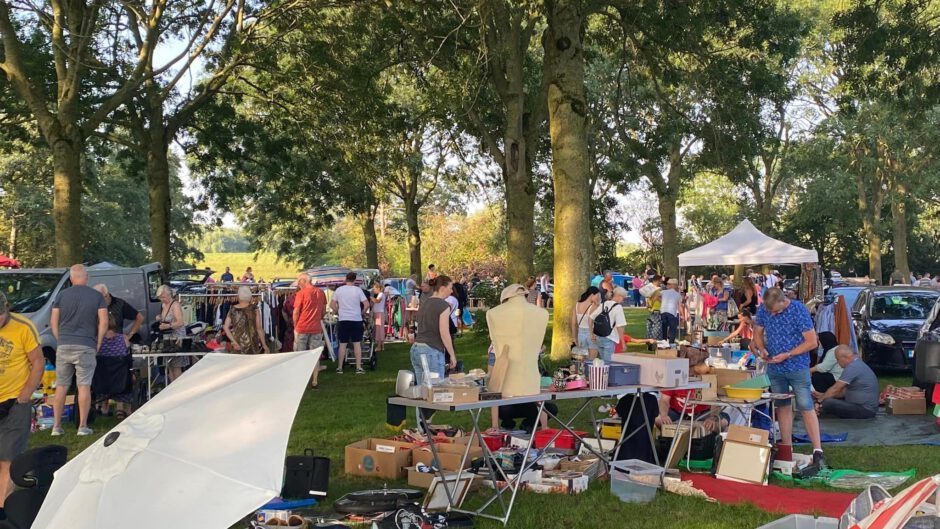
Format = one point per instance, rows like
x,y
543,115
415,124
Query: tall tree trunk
x,y
520,209
871,228
13,234
158,180
67,199
414,237
564,54
667,215
899,217
371,240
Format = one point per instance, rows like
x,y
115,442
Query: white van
x,y
31,292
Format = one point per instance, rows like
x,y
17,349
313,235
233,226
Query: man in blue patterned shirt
x,y
783,337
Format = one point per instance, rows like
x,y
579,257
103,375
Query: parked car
x,y
850,294
887,322
927,352
31,292
189,279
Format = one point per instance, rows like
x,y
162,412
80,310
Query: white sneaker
x,y
57,432
85,431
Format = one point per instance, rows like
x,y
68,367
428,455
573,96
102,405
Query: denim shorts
x,y
584,338
435,361
801,384
605,349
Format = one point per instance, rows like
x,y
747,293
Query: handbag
x,y
732,309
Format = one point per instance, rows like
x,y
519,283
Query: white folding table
x,y
512,485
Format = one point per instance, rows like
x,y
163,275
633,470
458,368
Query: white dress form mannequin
x,y
517,329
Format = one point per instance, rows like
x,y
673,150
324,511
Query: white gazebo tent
x,y
746,245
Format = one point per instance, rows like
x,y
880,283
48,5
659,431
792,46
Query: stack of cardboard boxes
x,y
906,401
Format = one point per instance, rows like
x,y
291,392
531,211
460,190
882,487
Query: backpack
x,y
602,324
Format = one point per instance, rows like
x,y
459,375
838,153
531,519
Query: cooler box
x,y
623,375
565,443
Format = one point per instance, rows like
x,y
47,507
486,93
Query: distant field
x,y
265,266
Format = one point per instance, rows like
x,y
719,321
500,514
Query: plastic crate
x,y
802,521
623,375
635,481
566,443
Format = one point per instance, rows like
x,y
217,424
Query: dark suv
x,y
887,321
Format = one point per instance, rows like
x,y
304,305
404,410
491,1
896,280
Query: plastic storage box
x,y
635,481
566,443
623,375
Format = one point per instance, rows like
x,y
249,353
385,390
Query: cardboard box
x,y
744,434
745,456
422,480
657,371
730,377
714,341
667,353
565,482
378,458
449,456
711,392
452,394
465,440
906,406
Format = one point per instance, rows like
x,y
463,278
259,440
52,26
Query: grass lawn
x,y
347,408
265,265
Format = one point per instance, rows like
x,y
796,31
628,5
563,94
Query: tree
x,y
154,117
685,84
96,71
889,61
491,84
567,106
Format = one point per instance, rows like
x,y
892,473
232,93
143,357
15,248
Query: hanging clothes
x,y
842,323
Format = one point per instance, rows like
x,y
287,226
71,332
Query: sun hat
x,y
512,291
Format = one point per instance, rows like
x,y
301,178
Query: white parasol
x,y
896,512
205,452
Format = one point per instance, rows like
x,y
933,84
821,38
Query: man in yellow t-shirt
x,y
21,366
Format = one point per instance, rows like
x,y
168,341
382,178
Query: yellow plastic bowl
x,y
744,393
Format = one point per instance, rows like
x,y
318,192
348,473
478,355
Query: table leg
x,y
649,428
436,459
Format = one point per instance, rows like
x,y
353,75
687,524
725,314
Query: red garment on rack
x,y
842,322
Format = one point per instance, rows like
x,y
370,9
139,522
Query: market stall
x,y
746,245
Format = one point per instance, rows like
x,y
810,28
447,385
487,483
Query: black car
x,y
887,321
927,352
850,293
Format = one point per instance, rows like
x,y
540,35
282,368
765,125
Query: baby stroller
x,y
369,357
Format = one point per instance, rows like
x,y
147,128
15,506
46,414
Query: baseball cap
x,y
512,291
672,281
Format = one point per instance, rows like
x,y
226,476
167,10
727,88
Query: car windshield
x,y
850,294
197,276
28,292
903,306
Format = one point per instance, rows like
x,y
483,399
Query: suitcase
x,y
306,476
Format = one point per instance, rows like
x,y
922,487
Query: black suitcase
x,y
306,476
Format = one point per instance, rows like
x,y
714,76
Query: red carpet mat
x,y
772,498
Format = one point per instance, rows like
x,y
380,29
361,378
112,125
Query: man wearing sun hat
x,y
21,366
